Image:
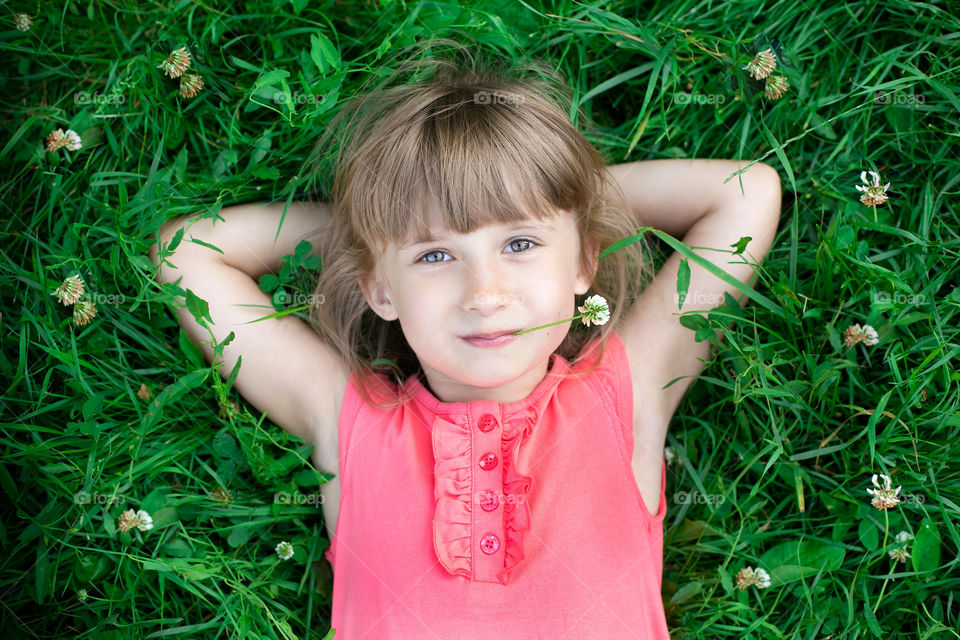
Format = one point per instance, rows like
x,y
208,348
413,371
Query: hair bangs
x,y
466,164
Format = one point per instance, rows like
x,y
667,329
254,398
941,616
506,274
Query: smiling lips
x,y
490,339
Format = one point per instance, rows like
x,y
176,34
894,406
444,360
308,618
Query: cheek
x,y
550,293
421,301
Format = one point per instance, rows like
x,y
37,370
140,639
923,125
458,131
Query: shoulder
x,y
603,368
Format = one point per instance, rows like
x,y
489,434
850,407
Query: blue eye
x,y
531,244
424,257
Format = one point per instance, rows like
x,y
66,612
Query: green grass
x,y
781,434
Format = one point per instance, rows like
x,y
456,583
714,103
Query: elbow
x,y
768,189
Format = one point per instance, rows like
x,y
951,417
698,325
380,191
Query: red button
x,y
489,500
489,543
487,422
488,461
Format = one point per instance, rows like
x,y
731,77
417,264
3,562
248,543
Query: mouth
x,y
491,339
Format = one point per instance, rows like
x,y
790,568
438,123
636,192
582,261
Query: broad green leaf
x,y
271,78
198,308
740,245
323,53
685,592
268,282
868,535
926,548
799,559
238,536
301,252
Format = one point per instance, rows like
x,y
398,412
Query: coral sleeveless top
x,y
479,520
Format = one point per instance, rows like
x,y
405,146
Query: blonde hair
x,y
444,135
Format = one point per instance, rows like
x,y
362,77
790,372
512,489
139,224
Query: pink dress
x,y
470,520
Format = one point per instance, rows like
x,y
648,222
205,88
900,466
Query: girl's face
x,y
500,278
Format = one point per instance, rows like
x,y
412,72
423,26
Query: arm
x,y
286,369
688,198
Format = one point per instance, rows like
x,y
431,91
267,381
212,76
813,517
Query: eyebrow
x,y
428,237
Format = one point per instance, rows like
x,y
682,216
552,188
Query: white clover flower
x,y
670,455
84,311
884,496
22,22
284,550
749,576
904,536
761,65
60,138
854,334
775,86
130,519
69,290
873,193
900,554
764,579
190,84
176,63
594,310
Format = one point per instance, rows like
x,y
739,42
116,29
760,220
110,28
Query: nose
x,y
486,290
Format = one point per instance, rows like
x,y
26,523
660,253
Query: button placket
x,y
488,527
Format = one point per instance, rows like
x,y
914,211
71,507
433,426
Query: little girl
x,y
499,469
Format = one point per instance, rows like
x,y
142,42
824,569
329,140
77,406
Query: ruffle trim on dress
x,y
454,489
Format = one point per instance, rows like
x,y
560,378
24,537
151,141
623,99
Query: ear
x,y
377,293
586,276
